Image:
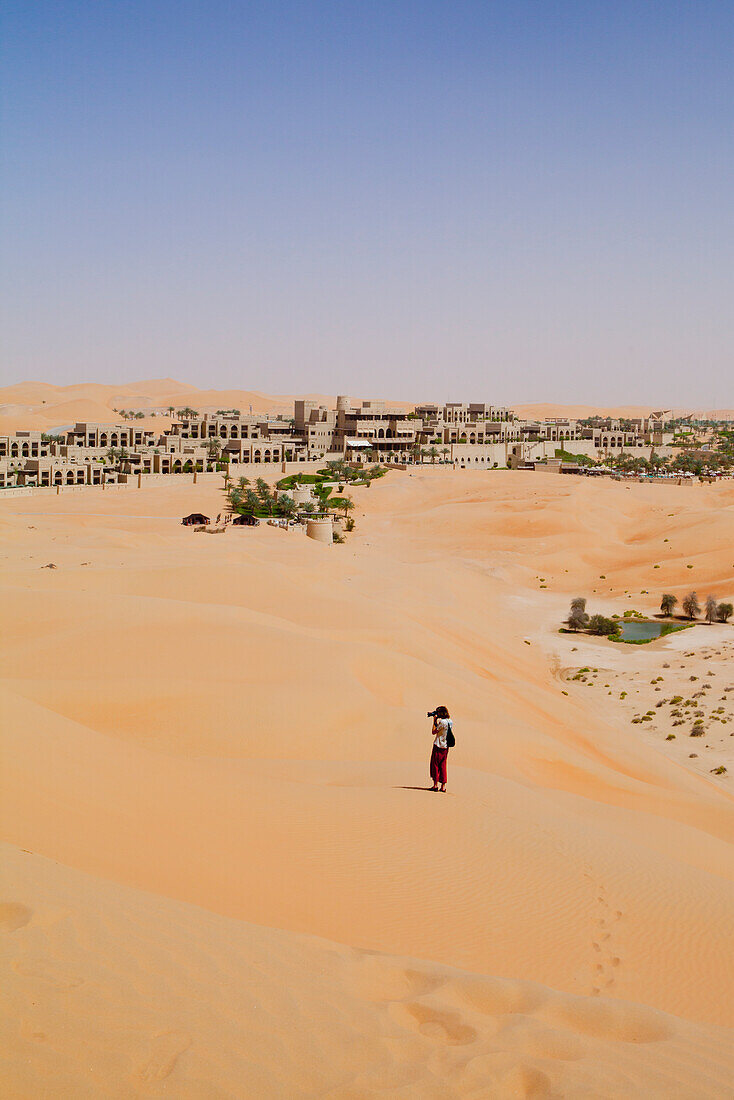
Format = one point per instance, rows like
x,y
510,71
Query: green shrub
x,y
599,624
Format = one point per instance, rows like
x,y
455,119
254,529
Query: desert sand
x,y
223,873
42,406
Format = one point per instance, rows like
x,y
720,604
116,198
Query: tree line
x,y
714,612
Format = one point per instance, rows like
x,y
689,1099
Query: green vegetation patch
x,y
300,479
580,460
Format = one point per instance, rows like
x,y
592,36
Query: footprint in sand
x,y
384,982
526,1082
47,970
442,1026
603,970
13,915
166,1047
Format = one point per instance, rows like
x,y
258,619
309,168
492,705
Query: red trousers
x,y
438,765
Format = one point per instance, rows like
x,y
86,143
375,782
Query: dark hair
x,y
442,712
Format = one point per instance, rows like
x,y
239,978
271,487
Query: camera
x,y
432,714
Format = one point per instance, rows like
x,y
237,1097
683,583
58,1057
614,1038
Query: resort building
x,y
463,435
24,445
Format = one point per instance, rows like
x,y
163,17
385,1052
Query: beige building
x,y
24,445
461,434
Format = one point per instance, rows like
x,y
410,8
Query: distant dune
x,y
39,405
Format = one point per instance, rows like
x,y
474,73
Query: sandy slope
x,y
115,993
39,405
222,732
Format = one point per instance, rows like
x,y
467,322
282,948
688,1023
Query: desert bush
x,y
691,606
668,603
599,624
577,617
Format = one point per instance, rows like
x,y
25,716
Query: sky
x,y
418,200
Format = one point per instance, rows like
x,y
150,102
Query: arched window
x,y
258,456
266,456
58,478
70,477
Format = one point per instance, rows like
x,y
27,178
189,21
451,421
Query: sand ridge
x,y
236,725
171,1000
41,405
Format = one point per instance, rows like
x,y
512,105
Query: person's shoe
x,y
443,790
434,788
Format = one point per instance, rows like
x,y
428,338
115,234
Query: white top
x,y
442,725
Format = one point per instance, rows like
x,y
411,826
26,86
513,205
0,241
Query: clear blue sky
x,y
501,201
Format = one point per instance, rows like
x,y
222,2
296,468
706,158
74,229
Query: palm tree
x,y
667,604
336,469
263,493
347,505
170,410
214,450
432,454
243,482
445,451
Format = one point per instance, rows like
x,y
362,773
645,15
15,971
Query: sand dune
x,y
39,405
216,750
168,999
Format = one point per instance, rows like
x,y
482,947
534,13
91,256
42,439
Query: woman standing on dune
x,y
443,739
